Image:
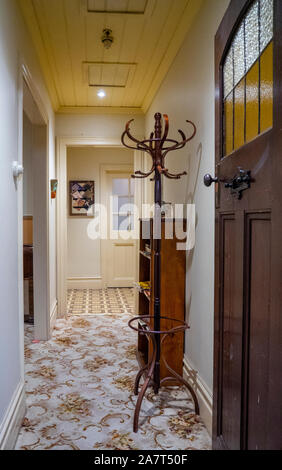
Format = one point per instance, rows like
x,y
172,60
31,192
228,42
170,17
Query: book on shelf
x,y
147,248
143,324
147,292
145,287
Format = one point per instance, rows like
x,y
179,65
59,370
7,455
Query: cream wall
x,y
188,93
104,126
15,45
84,253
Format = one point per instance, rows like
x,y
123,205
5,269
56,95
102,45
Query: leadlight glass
x,y
248,78
266,23
252,35
228,74
252,102
239,105
266,88
239,55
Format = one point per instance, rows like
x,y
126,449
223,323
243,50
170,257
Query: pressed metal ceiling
x,y
67,35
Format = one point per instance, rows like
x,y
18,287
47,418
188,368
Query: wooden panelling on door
x,y
257,329
230,347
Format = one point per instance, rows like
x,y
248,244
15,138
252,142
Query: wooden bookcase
x,y
173,273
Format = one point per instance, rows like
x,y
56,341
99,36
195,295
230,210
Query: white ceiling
x,y
67,35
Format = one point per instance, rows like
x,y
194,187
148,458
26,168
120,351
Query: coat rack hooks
x,y
155,146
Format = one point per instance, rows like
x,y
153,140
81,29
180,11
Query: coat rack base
x,y
149,369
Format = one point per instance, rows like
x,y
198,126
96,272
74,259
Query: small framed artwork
x,y
82,198
54,186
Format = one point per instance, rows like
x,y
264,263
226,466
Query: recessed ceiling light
x,y
101,94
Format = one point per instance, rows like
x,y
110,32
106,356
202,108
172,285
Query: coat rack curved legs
x,y
148,370
148,379
149,367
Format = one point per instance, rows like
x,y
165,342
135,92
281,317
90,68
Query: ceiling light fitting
x,y
101,94
107,38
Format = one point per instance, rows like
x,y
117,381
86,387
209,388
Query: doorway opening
x,y
82,145
101,268
93,174
35,217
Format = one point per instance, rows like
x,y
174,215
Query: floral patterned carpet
x,y
79,388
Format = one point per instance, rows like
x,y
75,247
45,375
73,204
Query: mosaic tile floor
x,y
100,301
79,389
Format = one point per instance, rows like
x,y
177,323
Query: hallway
x,y
141,146
79,390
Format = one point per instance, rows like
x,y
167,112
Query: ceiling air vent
x,y
115,75
122,7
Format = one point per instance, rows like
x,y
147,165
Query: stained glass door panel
x,y
248,78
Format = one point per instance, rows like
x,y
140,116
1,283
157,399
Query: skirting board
x,y
85,283
12,421
203,392
53,315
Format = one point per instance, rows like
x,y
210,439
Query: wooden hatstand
x,y
158,147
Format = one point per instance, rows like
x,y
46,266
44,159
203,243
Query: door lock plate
x,y
239,183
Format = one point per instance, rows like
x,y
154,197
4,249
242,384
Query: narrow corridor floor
x,y
79,389
100,301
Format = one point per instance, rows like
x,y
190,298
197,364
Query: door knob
x,y
208,180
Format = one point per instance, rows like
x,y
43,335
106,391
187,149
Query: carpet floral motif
x,y
79,389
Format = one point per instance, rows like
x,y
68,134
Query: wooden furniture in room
x,y
28,230
28,269
172,299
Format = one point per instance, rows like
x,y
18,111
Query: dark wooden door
x,y
248,275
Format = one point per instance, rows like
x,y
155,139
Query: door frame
x,y
62,210
42,328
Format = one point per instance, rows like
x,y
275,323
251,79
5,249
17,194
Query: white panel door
x,y
121,245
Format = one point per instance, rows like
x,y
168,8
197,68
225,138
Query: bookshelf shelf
x,y
146,255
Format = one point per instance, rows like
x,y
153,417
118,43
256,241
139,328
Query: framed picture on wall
x,y
82,198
